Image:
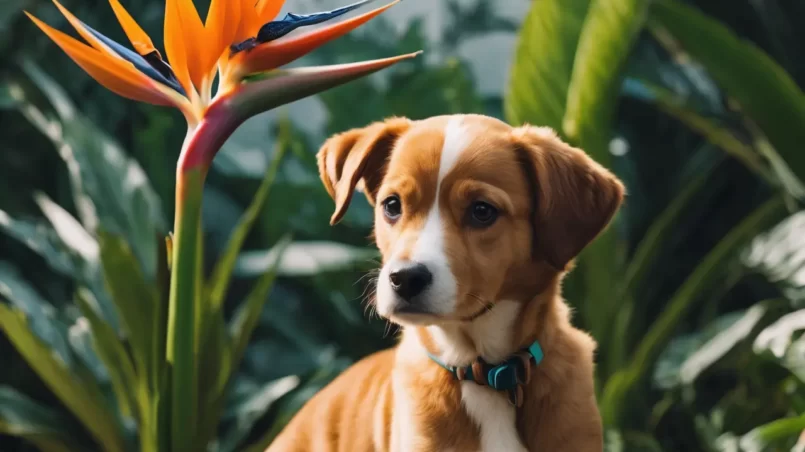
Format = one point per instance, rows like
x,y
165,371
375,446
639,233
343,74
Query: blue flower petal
x,y
279,28
151,65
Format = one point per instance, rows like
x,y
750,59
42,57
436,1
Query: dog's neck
x,y
508,327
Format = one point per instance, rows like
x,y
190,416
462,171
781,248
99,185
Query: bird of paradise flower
x,y
237,50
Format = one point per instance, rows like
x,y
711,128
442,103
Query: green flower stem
x,y
184,304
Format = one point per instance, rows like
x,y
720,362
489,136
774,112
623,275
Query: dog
x,y
477,223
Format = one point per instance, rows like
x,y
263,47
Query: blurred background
x,y
695,294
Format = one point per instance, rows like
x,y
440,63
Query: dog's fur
x,y
553,201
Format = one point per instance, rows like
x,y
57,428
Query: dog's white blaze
x,y
429,248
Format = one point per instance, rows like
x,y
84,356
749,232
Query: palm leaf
x,y
543,63
765,91
609,31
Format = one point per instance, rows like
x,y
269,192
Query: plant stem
x,y
184,301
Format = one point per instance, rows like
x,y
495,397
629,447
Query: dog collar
x,y
509,376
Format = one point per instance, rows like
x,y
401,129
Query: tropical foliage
x,y
685,326
695,294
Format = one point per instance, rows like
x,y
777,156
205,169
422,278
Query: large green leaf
x,y
543,63
80,394
23,417
109,188
762,89
610,29
620,386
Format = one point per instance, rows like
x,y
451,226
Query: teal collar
x,y
508,376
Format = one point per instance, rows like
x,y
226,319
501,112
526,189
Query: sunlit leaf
x,y
779,255
667,373
610,28
780,340
706,355
543,63
69,230
305,259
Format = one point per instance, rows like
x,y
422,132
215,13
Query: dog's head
x,y
468,210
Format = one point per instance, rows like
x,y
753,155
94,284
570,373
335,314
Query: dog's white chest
x,y
495,418
491,411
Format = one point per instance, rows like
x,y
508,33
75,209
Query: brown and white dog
x,y
477,223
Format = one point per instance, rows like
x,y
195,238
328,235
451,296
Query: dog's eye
x,y
482,214
392,208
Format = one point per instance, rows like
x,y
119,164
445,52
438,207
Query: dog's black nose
x,y
410,281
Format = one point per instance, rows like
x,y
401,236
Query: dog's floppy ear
x,y
358,155
574,197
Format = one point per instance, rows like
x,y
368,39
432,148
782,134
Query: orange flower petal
x,y
273,54
249,20
79,27
139,39
223,20
113,73
184,42
267,10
